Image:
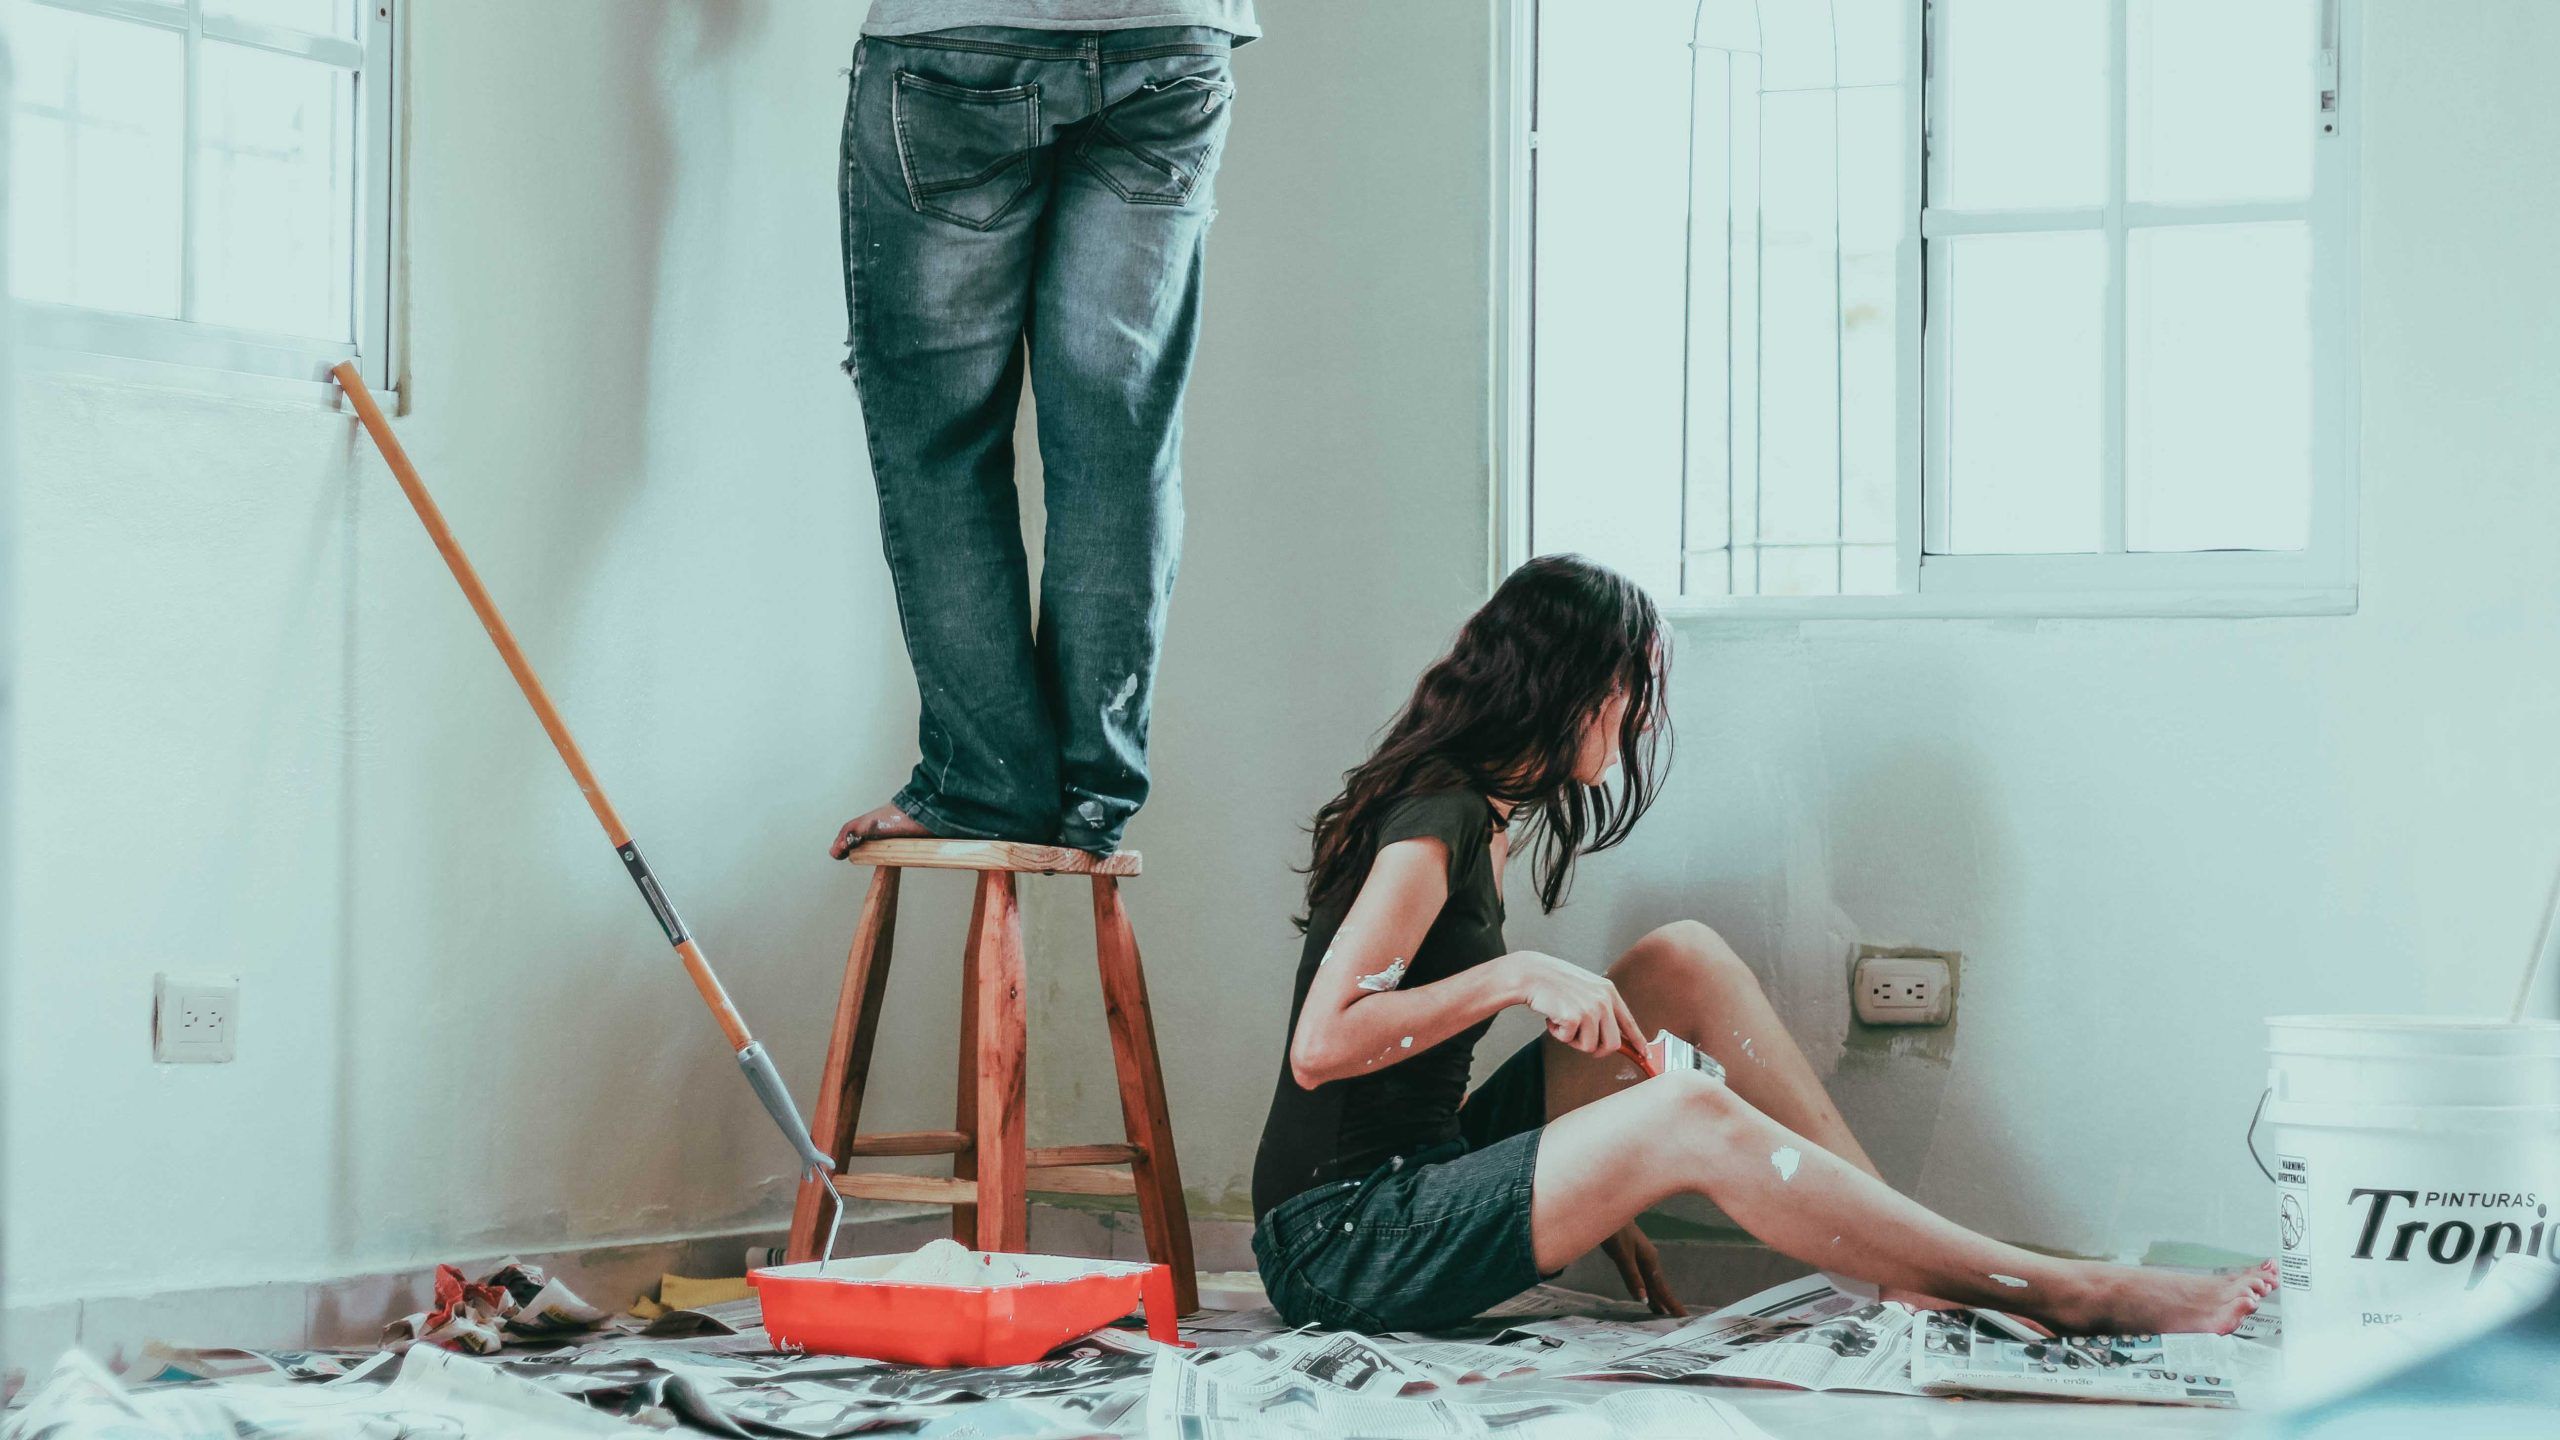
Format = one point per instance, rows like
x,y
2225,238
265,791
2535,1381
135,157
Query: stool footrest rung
x,y
910,1142
918,1189
1051,1171
1112,1154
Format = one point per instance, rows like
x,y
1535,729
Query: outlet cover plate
x,y
195,1021
1902,990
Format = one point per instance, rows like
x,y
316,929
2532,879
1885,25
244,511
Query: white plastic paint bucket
x,y
2409,1155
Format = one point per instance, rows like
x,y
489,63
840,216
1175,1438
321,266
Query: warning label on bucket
x,y
2293,1216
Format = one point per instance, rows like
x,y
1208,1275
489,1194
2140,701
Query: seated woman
x,y
1384,1202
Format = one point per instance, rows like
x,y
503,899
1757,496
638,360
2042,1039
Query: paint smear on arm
x,y
1786,1158
2012,1281
1386,979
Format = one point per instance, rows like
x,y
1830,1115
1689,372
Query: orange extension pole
x,y
752,1059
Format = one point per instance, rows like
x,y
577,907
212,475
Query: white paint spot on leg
x,y
1408,1042
1386,979
1120,702
1786,1158
2012,1281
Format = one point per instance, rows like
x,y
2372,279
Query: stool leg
x,y
1161,1211
857,1025
964,1107
1004,1218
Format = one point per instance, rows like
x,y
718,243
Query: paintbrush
x,y
1676,1054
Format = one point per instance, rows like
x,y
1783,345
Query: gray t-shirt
x,y
916,17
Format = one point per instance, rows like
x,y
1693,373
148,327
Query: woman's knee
x,y
1686,954
1689,1102
1709,1128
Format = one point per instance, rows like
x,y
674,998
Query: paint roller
x,y
753,1062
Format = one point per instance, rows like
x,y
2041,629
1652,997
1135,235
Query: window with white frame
x,y
1976,305
204,182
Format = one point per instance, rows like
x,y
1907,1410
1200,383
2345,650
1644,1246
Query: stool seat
x,y
992,855
993,1170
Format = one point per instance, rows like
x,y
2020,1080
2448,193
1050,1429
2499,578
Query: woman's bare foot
x,y
2133,1300
1916,1300
884,822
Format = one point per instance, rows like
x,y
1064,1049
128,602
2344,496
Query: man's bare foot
x,y
885,822
2133,1300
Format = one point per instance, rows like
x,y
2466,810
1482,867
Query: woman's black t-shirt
x,y
1344,1129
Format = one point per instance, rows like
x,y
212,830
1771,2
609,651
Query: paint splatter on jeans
x,y
1024,202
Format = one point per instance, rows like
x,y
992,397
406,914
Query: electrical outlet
x,y
194,1022
1902,990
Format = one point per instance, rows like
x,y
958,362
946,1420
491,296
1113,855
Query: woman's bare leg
x,y
1606,1162
1685,979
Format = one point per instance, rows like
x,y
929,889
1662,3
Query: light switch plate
x,y
195,1021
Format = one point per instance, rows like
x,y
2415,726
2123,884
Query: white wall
x,y
265,739
262,736
2147,835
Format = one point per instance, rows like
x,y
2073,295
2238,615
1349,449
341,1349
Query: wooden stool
x,y
992,1172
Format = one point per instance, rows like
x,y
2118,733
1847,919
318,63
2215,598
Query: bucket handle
x,y
2254,1116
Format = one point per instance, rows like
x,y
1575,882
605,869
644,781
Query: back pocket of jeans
x,y
966,153
1157,143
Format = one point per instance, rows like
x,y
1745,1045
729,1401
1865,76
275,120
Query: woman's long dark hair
x,y
1502,715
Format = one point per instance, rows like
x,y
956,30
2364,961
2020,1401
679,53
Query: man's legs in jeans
x,y
1115,319
938,302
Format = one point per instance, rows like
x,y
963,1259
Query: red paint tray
x,y
848,1310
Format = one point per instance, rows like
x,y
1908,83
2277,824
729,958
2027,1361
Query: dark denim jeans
x,y
1039,199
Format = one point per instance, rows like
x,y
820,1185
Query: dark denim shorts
x,y
1425,1240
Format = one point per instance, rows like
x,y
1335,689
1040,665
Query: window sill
x,y
2162,604
125,371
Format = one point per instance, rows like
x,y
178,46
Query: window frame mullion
x,y
190,151
2112,340
1911,392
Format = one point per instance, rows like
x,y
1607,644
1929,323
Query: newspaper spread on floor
x,y
1949,1353
1543,1371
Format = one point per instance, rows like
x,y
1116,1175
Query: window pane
x,y
95,161
1613,140
2022,405
1800,194
2218,388
1875,221
325,17
1799,320
1873,40
275,173
2023,86
2220,99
